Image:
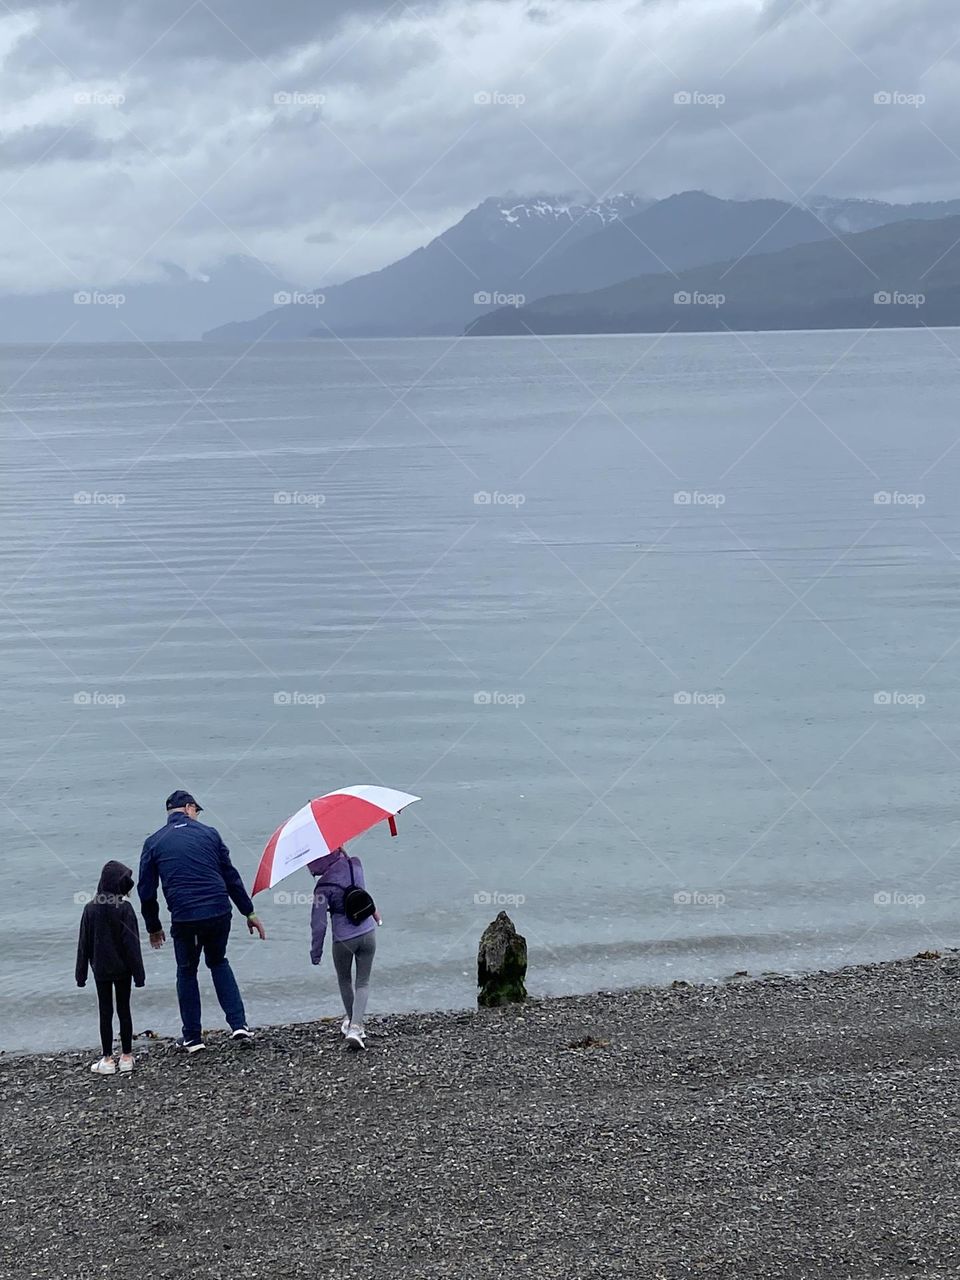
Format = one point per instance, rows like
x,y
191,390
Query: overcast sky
x,y
329,138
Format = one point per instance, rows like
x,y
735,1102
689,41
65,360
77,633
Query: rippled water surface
x,y
675,738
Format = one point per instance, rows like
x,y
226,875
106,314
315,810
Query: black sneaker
x,y
191,1046
241,1033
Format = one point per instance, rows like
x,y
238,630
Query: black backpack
x,y
357,903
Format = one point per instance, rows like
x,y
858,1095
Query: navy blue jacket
x,y
193,865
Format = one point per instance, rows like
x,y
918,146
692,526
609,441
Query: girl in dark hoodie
x,y
110,946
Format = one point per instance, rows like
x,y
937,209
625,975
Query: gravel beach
x,y
783,1127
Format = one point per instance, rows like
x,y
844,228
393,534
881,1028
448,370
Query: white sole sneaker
x,y
195,1046
127,1067
102,1068
344,1026
354,1040
242,1033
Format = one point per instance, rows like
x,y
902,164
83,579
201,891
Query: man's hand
x,y
254,925
157,939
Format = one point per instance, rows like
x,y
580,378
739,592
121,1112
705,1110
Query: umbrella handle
x,y
393,824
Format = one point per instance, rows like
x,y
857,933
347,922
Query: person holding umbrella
x,y
314,837
192,864
340,891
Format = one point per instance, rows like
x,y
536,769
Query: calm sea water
x,y
679,691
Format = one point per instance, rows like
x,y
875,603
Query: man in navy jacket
x,y
192,864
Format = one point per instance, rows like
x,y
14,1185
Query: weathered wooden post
x,y
501,964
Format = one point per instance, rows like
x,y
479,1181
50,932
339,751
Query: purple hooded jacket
x,y
333,879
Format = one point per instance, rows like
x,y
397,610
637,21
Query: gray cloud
x,y
50,144
109,35
363,119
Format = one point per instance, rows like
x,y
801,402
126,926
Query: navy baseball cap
x,y
180,800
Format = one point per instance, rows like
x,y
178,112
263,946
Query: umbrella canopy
x,y
324,825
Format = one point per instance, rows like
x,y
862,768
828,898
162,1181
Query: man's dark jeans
x,y
191,939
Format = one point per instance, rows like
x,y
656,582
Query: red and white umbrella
x,y
324,825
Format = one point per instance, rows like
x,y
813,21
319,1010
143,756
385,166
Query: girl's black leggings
x,y
105,990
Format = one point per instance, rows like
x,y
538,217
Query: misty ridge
x,y
899,275
507,253
551,264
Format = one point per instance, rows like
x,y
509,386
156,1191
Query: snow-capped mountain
x,y
443,286
510,250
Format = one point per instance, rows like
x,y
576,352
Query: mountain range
x,y
434,290
902,274
509,251
508,257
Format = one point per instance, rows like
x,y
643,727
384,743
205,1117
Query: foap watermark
x,y
898,898
484,498
484,698
696,698
94,498
296,698
294,498
895,698
497,899
298,298
695,498
698,898
897,98
97,298
695,98
94,698
496,98
685,298
894,498
495,298
298,98
99,98
81,898
292,898
898,298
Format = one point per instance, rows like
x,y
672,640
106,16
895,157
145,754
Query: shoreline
x,y
148,1039
797,1127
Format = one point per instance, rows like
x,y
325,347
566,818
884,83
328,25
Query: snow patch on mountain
x,y
571,208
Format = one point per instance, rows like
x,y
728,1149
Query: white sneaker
x,y
126,1064
354,1038
104,1067
344,1026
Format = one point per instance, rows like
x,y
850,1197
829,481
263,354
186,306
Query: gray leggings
x,y
362,950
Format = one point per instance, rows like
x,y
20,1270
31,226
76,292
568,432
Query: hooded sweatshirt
x,y
109,934
333,872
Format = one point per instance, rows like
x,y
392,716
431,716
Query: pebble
x,y
789,1128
